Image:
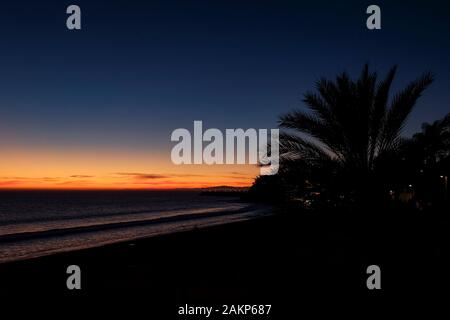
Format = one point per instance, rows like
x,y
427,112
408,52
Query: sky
x,y
95,108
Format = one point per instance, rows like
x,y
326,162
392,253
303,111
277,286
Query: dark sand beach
x,y
285,260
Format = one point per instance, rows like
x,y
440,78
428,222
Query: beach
x,y
279,259
34,224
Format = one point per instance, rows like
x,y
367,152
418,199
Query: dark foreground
x,y
293,262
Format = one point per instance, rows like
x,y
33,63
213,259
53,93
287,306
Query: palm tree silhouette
x,y
350,123
433,143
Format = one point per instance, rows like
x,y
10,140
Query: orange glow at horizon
x,y
73,168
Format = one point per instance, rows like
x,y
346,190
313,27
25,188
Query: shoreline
x,y
155,227
17,275
322,257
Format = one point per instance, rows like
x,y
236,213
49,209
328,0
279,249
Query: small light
x,y
442,177
410,185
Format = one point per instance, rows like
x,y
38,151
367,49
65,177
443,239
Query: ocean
x,y
37,223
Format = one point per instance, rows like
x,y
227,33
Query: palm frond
x,y
294,147
400,109
378,112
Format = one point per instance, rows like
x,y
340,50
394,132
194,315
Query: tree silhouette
x,y
351,124
433,143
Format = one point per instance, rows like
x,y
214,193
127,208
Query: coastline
x,y
145,263
142,228
261,260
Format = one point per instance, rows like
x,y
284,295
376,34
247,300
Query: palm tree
x,y
350,123
433,143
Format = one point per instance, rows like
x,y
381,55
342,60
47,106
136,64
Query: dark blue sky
x,y
137,70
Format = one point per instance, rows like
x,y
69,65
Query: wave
x,y
137,221
27,244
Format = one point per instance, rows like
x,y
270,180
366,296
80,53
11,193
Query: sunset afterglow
x,y
109,169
